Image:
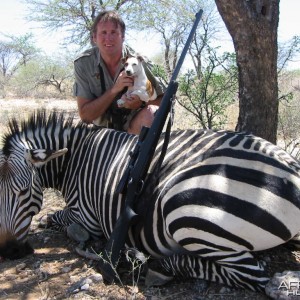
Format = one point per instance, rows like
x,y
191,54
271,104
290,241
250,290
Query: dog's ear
x,y
140,57
123,60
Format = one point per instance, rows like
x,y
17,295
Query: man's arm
x,y
89,110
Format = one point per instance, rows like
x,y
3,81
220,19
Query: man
x,y
100,80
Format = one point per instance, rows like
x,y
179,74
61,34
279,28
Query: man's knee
x,y
144,117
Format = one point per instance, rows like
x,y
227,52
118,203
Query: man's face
x,y
109,38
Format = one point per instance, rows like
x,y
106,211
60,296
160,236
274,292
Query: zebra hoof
x,y
154,278
77,233
294,243
45,221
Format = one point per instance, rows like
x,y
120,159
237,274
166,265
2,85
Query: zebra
x,y
219,196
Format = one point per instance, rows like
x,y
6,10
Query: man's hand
x,y
132,101
122,82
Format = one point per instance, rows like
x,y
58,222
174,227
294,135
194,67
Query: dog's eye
x,y
134,64
126,64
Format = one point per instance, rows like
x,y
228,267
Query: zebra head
x,y
20,194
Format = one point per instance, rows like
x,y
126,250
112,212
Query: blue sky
x,y
12,21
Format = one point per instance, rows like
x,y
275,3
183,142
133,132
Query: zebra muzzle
x,y
13,249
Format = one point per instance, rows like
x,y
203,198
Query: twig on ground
x,y
87,254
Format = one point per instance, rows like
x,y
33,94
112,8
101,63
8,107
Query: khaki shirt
x,y
88,82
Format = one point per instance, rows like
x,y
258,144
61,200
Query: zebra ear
x,y
39,157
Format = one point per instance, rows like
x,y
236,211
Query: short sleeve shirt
x,y
87,74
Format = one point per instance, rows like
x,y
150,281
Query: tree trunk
x,y
253,28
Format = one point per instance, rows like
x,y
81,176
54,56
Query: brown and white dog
x,y
142,86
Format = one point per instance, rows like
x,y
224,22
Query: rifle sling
x,y
141,206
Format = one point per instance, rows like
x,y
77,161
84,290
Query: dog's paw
x,y
120,102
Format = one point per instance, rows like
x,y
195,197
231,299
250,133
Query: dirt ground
x,y
56,271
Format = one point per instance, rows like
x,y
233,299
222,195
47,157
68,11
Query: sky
x,y
12,21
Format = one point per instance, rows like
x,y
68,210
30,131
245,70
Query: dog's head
x,y
133,65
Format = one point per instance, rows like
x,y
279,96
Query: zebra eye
x,y
23,192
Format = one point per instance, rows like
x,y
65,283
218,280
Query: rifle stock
x,y
146,148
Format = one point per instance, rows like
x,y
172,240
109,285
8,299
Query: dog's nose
x,y
128,72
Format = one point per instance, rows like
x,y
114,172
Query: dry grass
x,y
22,108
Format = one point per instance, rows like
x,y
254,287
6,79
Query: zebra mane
x,y
38,119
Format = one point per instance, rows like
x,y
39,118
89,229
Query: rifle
x,y
138,166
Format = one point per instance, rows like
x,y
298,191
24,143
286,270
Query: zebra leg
x,y
59,220
239,270
69,221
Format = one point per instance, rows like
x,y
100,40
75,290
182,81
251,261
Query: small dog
x,y
142,86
